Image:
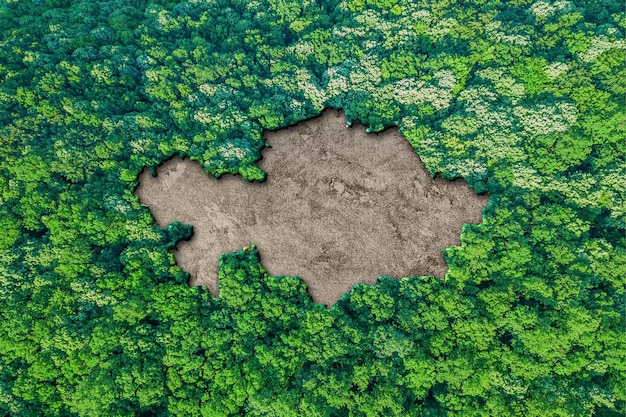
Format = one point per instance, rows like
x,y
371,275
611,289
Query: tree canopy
x,y
523,99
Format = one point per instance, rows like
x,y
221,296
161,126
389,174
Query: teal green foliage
x,y
522,99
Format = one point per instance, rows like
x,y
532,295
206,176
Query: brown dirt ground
x,y
339,207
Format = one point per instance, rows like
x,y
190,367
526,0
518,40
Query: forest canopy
x,y
523,99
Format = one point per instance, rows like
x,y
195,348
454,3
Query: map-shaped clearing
x,y
338,207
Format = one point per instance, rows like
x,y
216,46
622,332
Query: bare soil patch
x,y
339,207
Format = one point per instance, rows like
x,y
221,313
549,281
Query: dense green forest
x,y
523,99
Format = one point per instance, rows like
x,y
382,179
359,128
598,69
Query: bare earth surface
x,y
339,207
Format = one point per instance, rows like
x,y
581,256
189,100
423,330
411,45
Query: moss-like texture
x,y
523,99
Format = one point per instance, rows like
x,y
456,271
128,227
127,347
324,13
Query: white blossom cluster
x,y
398,38
543,9
164,20
445,79
103,73
489,116
65,339
585,191
435,162
442,27
429,151
219,111
501,37
31,56
509,384
495,135
343,5
372,24
614,183
221,95
228,119
144,61
439,98
410,122
524,176
370,44
345,31
406,91
493,29
301,83
547,119
194,99
555,69
599,45
498,143
89,294
140,146
64,155
466,167
137,230
493,26
316,95
153,75
296,104
337,83
489,127
301,49
373,19
312,92
421,15
207,89
103,33
477,95
563,6
116,203
414,92
365,74
229,150
432,156
409,91
283,81
480,100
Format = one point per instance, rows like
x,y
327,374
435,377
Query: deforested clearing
x,y
339,207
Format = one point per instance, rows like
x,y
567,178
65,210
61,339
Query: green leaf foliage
x,y
523,99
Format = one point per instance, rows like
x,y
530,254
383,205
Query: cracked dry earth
x,y
338,207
